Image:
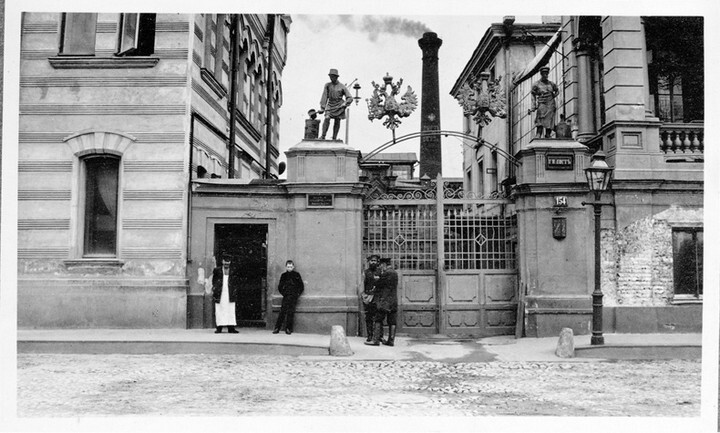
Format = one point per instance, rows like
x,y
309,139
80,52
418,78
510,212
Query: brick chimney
x,y
430,152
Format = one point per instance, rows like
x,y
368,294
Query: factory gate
x,y
455,256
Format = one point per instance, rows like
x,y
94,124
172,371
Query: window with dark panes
x,y
101,199
676,67
77,34
688,261
215,34
136,34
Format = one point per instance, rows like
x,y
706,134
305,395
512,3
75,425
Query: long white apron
x,y
225,310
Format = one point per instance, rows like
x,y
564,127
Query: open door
x,y
247,244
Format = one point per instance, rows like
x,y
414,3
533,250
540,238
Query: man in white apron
x,y
225,287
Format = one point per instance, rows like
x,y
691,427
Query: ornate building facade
x,y
119,112
633,88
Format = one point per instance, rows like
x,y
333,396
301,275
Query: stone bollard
x,y
566,344
339,345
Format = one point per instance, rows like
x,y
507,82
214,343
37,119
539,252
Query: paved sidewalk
x,y
504,348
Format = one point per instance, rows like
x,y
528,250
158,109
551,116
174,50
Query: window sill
x,y
99,265
686,301
213,83
81,62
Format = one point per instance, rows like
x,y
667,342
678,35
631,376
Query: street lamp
x,y
598,178
356,98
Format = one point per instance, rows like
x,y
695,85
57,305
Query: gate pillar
x,y
555,238
324,234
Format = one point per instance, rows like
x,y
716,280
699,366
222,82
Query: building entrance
x,y
247,244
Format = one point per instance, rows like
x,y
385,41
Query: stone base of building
x,y
546,317
101,303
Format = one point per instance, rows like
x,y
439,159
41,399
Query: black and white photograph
x,y
360,216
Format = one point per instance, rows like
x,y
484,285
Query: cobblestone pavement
x,y
71,385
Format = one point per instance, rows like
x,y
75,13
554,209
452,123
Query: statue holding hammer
x,y
335,99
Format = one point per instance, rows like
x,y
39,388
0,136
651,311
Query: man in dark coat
x,y
290,287
386,304
225,282
372,274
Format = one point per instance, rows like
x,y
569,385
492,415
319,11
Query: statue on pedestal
x,y
335,99
312,126
543,94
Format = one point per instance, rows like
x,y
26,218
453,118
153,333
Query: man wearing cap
x,y
335,98
386,304
225,283
543,93
372,275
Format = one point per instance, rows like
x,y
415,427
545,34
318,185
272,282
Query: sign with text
x,y
320,200
559,162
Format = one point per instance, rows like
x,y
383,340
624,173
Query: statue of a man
x,y
335,98
543,93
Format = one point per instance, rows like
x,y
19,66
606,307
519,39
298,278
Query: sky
x,y
366,48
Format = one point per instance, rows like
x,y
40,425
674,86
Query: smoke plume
x,y
372,25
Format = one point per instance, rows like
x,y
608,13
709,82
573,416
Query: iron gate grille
x,y
474,240
406,234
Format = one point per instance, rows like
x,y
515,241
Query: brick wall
x,y
637,260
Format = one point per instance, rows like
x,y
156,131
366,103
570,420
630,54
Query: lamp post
x,y
356,98
598,178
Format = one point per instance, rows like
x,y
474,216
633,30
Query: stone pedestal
x,y
322,161
325,220
555,237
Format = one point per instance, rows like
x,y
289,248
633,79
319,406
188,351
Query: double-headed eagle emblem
x,y
383,103
482,99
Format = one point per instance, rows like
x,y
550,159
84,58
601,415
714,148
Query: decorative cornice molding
x,y
85,142
213,83
77,62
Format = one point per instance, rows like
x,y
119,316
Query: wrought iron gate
x,y
455,256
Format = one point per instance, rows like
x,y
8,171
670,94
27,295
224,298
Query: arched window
x,y
100,193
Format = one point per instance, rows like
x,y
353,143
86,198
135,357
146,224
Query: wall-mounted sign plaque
x,y
559,162
320,200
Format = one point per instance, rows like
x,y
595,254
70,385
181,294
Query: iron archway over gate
x,y
479,142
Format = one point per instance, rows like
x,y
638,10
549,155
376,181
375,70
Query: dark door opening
x,y
247,244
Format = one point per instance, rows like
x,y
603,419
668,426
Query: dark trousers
x,y
370,311
287,313
381,315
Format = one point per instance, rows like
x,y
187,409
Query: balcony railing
x,y
682,142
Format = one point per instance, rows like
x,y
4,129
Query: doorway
x,y
247,244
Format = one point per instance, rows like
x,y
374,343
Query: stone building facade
x,y
118,113
629,89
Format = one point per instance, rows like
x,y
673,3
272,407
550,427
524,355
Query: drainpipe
x,y
269,98
508,27
188,235
233,93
